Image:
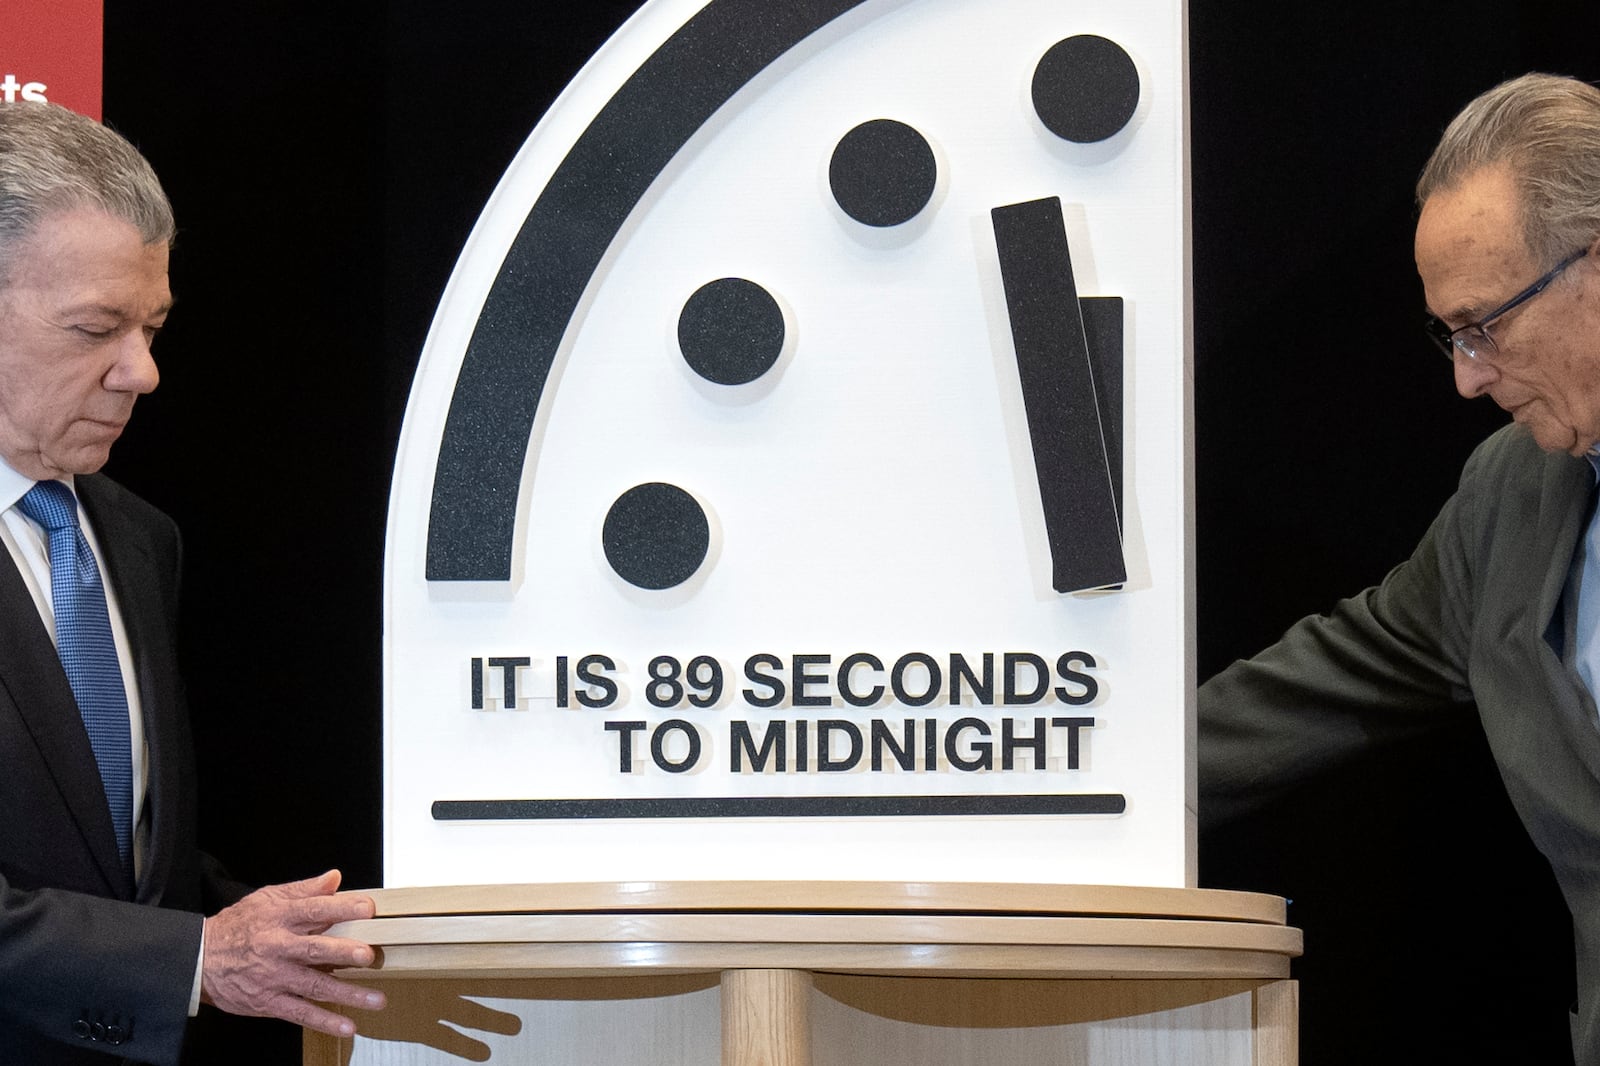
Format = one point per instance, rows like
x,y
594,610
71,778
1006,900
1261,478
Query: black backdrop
x,y
327,161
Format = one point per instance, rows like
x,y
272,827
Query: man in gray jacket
x,y
1499,606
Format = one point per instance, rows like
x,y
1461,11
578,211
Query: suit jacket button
x,y
115,1035
80,1029
97,1032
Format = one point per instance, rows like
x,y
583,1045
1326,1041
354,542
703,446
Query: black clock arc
x,y
471,524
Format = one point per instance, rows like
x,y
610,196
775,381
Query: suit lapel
x,y
31,675
1565,507
132,567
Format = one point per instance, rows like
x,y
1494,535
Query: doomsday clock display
x,y
795,480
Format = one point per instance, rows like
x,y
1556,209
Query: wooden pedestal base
x,y
820,974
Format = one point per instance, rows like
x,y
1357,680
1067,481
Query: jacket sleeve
x,y
1380,667
96,973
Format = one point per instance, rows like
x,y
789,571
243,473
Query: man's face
x,y
1546,370
83,301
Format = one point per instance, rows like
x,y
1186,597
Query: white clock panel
x,y
795,481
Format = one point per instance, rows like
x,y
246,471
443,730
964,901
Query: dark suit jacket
x,y
89,964
1480,614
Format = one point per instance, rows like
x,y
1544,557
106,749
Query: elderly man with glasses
x,y
1499,607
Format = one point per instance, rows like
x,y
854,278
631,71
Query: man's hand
x,y
266,955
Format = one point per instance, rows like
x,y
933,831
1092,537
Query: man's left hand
x,y
266,955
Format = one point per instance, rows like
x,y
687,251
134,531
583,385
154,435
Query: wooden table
x,y
796,973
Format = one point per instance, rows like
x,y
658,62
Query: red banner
x,y
51,50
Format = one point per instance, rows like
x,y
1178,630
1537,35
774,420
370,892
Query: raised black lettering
x,y
1041,678
801,680
982,689
826,729
588,677
1072,725
982,750
1010,742
898,674
1087,688
903,752
773,682
658,745
774,747
625,742
664,689
847,667
507,665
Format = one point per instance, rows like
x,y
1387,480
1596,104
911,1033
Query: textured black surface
x,y
882,173
472,520
1085,88
1103,329
780,807
656,536
1059,394
731,331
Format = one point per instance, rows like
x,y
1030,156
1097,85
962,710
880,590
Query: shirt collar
x,y
13,486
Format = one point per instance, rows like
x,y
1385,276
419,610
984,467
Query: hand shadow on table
x,y
434,1013
438,1014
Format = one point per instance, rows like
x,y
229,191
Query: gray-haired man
x,y
1500,604
104,947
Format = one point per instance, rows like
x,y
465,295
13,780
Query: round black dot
x,y
731,331
656,536
1085,88
883,173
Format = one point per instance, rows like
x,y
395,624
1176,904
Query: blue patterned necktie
x,y
87,650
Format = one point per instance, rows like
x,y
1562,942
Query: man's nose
x,y
135,369
1473,376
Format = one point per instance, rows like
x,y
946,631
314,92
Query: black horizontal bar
x,y
776,807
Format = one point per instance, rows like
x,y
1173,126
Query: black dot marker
x,y
882,173
656,536
1085,89
731,331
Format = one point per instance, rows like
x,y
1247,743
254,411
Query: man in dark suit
x,y
104,943
1499,606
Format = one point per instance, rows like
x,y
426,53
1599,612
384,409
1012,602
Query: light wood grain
x,y
821,929
317,1049
766,1018
823,896
935,1022
853,1021
956,960
1001,970
958,1003
1277,1024
960,944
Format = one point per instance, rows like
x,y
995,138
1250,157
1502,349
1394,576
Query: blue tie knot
x,y
52,505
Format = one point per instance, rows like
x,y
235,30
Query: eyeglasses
x,y
1473,340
